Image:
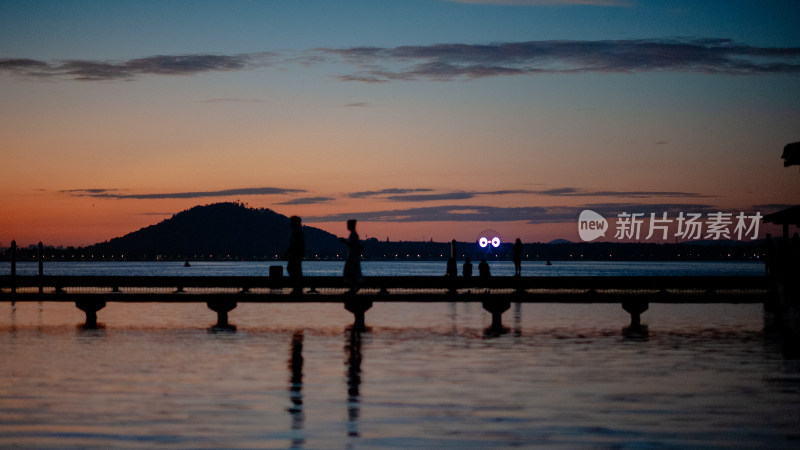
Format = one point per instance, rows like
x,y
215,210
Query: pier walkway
x,y
221,294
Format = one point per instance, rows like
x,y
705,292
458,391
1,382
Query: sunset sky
x,y
421,118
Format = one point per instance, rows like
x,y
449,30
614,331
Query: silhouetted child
x,y
467,270
517,256
295,254
483,269
352,265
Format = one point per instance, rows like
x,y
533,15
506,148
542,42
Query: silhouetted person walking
x,y
352,265
295,254
483,269
517,256
467,269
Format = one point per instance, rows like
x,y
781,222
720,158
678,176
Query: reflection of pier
x,y
496,294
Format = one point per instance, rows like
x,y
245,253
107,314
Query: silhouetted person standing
x,y
352,265
452,268
467,269
483,269
517,256
295,254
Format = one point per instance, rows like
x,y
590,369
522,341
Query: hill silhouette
x,y
232,231
216,231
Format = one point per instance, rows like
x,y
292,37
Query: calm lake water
x,y
423,375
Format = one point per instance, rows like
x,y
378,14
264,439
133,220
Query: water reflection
x,y
353,363
454,318
85,335
437,387
296,389
13,318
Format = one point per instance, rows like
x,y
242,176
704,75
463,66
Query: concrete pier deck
x,y
221,294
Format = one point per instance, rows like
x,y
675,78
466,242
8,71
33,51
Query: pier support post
x,y
41,266
452,269
222,307
90,307
13,266
497,308
358,308
635,309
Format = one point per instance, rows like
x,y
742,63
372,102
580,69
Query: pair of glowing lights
x,y
484,242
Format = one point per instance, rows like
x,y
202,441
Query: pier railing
x,y
221,294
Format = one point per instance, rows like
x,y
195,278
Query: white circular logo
x,y
489,237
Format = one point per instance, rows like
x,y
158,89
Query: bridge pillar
x,y
635,309
358,307
90,307
497,308
222,307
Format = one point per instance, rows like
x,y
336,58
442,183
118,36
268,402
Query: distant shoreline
x,y
375,250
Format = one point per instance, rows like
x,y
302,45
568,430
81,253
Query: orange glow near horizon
x,y
60,219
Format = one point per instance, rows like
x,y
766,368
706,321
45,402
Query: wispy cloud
x,y
437,214
406,195
431,197
610,210
88,192
388,191
307,201
454,61
90,70
557,192
530,214
119,194
577,192
444,62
